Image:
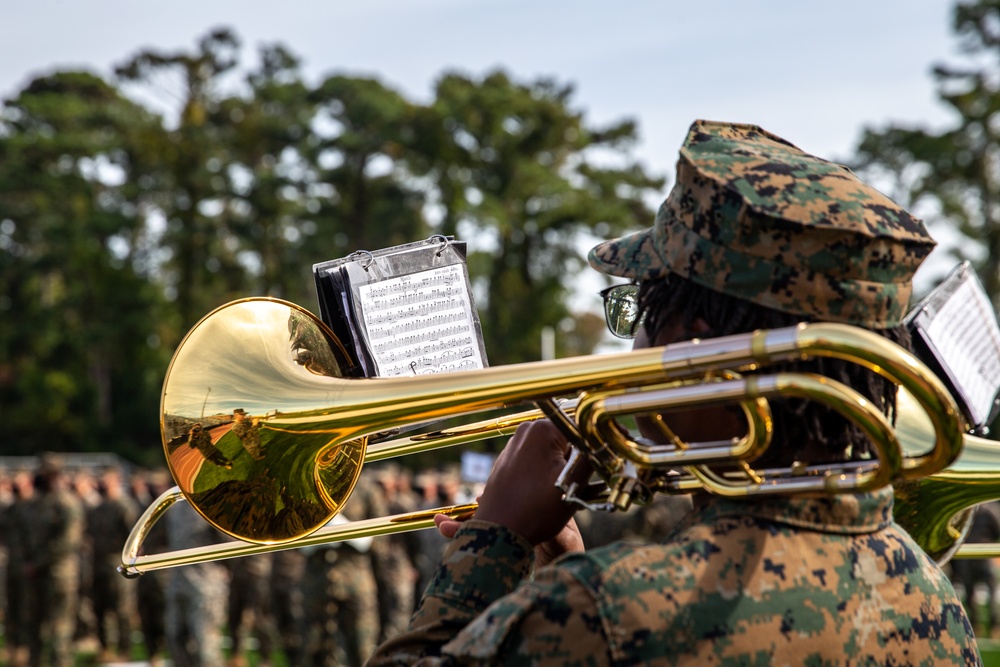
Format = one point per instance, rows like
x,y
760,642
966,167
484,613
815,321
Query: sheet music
x,y
966,335
421,323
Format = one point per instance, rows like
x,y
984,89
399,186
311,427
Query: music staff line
x,y
432,353
417,369
404,284
404,341
375,319
409,299
417,325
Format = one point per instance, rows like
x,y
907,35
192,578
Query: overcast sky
x,y
812,72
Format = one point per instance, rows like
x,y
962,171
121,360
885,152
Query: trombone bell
x,y
257,467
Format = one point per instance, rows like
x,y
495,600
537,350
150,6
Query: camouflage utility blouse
x,y
805,581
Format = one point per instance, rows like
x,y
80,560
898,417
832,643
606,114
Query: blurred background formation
x,y
65,517
122,225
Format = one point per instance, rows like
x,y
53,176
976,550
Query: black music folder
x,y
955,332
405,310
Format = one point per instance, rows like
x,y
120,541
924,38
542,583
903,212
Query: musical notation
x,y
966,336
421,323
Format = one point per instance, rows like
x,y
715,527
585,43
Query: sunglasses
x,y
621,310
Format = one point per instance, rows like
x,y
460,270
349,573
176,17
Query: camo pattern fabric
x,y
752,216
805,581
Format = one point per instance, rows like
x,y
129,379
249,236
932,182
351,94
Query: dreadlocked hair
x,y
803,430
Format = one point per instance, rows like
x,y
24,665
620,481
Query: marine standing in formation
x,y
52,568
108,525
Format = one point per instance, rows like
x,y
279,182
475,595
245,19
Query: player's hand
x,y
448,525
521,493
568,540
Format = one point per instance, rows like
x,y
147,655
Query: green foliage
x,y
79,302
518,167
199,270
120,227
358,152
952,174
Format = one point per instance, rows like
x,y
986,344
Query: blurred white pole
x,y
548,343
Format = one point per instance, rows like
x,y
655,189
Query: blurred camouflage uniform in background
x,y
249,606
151,587
341,594
6,503
287,605
394,568
426,545
52,566
652,522
195,594
973,573
19,597
108,525
84,486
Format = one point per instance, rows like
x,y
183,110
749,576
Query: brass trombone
x,y
937,510
266,435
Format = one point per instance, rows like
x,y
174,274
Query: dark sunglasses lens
x,y
621,309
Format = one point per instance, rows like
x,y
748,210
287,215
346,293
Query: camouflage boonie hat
x,y
755,217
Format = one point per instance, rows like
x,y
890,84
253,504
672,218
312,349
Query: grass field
x,y
87,656
988,648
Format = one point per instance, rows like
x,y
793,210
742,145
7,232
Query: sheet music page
x,y
965,333
421,323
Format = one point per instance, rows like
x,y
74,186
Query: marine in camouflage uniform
x,y
796,580
195,594
247,429
53,567
341,593
198,438
395,571
249,609
20,526
114,597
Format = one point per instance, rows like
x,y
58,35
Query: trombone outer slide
x,y
135,564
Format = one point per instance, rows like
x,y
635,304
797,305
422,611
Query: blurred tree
x,y
517,171
580,335
120,228
79,360
952,176
199,258
269,194
361,133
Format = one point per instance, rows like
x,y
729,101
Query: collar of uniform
x,y
845,513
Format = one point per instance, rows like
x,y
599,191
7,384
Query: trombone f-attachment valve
x,y
587,495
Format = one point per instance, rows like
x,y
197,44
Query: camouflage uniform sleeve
x,y
482,608
63,534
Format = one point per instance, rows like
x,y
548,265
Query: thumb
x,y
446,525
